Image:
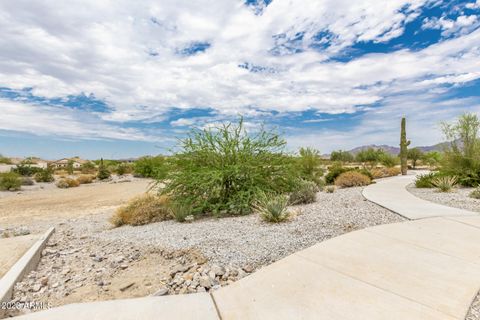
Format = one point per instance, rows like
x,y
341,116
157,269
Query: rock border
x,y
25,264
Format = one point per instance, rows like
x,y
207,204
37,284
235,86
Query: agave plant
x,y
273,208
445,184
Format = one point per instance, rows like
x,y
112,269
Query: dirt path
x,y
53,204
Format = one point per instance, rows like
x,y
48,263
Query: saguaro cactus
x,y
403,147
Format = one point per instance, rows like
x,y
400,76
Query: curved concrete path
x,y
392,194
421,269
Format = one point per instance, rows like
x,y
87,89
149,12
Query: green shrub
x,y
151,167
425,180
180,211
432,158
88,167
309,165
370,157
352,179
388,160
414,154
334,171
444,184
306,192
475,193
103,172
273,208
44,175
141,210
67,183
27,181
123,168
342,156
10,181
5,160
25,170
222,170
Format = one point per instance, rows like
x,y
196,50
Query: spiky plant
x,y
404,143
273,208
445,184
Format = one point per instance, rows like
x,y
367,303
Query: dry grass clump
x,y
273,208
352,179
445,184
305,193
141,210
385,172
85,178
67,183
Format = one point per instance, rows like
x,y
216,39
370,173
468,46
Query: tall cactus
x,y
404,143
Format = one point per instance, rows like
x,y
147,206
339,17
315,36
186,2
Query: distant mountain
x,y
396,150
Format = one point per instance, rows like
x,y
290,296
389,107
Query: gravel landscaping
x,y
458,198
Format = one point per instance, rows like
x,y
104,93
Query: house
x,y
63,163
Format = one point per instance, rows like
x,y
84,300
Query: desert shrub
x,y
141,210
334,171
151,167
221,170
342,156
370,157
273,208
85,178
27,181
425,180
306,192
67,183
445,183
103,172
25,170
432,158
414,154
44,175
5,160
309,165
123,168
388,160
378,173
179,211
352,179
475,194
329,189
88,167
462,157
10,181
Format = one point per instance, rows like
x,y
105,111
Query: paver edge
x,y
25,264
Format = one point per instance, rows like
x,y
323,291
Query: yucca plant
x,y
445,184
273,208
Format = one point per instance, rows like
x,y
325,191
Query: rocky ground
x,y
457,198
86,259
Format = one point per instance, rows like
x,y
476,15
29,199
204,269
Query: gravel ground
x,y
458,198
87,260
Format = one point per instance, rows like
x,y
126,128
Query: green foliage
x,y
462,157
273,208
10,181
123,168
151,167
25,170
44,175
404,143
309,165
306,192
425,180
387,160
103,172
180,211
475,194
370,157
88,167
342,156
414,154
445,183
141,210
5,160
334,171
432,158
222,170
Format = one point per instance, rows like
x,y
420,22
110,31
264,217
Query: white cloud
x,y
462,24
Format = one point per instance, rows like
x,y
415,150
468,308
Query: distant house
x,y
63,163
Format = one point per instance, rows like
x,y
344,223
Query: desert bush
x,y
306,192
221,170
352,179
334,171
151,167
462,157
342,156
10,181
44,175
25,170
309,165
179,211
27,181
388,160
67,183
475,194
123,168
85,178
88,167
5,160
329,189
103,172
378,173
432,158
141,210
370,157
444,184
414,154
272,208
425,180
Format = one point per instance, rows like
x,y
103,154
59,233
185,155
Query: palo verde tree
x,y
414,154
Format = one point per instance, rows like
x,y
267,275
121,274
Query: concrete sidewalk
x,y
391,193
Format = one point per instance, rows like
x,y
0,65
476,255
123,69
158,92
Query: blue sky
x,y
122,79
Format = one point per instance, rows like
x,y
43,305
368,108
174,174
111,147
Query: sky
x,y
118,78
